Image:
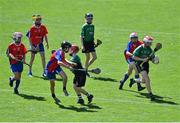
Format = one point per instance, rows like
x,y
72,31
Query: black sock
x,y
53,95
139,85
126,76
150,93
87,94
64,88
79,96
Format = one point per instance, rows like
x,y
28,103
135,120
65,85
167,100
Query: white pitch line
x,y
102,99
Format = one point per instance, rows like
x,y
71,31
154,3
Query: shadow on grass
x,y
77,109
45,78
164,101
158,99
32,97
74,108
92,106
105,79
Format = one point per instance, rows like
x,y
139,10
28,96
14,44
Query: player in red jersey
x,y
16,52
37,33
54,67
128,53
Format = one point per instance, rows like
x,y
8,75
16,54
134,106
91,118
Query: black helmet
x,y
65,44
90,15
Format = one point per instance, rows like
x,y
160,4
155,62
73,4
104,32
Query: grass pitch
x,y
114,20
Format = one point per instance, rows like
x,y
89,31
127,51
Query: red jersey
x,y
36,34
131,46
55,57
17,51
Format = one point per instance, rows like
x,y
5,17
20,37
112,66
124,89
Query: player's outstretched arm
x,y
128,53
140,59
72,64
11,56
64,65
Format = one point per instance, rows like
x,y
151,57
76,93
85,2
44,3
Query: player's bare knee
x,y
17,76
65,78
129,73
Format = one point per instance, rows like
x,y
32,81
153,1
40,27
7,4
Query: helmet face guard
x,y
37,19
89,17
17,37
148,40
133,37
65,46
148,43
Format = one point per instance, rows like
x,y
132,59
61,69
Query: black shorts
x,y
88,47
143,67
80,79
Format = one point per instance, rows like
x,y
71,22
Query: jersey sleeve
x,y
128,47
83,31
45,32
8,50
58,57
24,50
30,33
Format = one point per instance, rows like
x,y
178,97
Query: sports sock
x,y
136,76
53,95
64,88
87,94
138,84
17,84
126,76
79,96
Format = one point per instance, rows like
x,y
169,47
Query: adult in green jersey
x,y
87,40
141,57
79,76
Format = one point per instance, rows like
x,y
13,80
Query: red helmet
x,y
74,49
148,39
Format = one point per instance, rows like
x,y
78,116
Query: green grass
x,y
114,21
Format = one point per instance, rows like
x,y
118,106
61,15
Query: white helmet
x,y
148,39
17,35
133,35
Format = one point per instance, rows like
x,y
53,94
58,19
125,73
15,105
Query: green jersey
x,y
76,59
142,52
87,32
